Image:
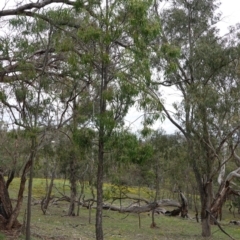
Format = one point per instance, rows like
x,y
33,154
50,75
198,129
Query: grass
x,y
2,237
116,226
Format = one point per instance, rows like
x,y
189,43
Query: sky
x,y
231,15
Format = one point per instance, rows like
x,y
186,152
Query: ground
x,y
56,225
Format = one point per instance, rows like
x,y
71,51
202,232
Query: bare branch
x,y
29,6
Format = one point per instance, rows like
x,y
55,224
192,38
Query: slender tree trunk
x,y
12,221
99,230
46,200
157,192
73,181
29,207
80,196
5,203
10,177
102,129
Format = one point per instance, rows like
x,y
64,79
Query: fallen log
x,y
173,213
235,222
136,208
144,208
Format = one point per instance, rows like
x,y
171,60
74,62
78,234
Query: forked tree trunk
x,y
8,215
5,203
222,193
46,200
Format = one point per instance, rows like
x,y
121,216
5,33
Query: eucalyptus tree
x,y
206,75
117,54
107,46
28,97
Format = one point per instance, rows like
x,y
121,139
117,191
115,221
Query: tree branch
x,y
29,6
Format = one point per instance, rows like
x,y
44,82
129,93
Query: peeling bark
x,y
222,193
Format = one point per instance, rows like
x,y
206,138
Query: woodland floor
x,y
56,225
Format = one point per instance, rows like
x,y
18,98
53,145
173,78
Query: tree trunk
x,y
73,181
216,206
206,226
5,203
8,216
224,190
184,206
45,202
29,203
101,142
99,230
206,199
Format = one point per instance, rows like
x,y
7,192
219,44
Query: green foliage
x,y
83,138
21,94
3,96
127,148
78,5
126,145
39,25
146,131
32,132
92,34
61,15
19,21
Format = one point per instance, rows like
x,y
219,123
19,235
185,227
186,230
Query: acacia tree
x,y
205,75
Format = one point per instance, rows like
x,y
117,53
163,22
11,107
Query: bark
x,y
99,230
10,177
5,202
206,198
12,221
8,215
184,206
73,181
29,6
216,206
46,200
224,190
29,203
101,143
